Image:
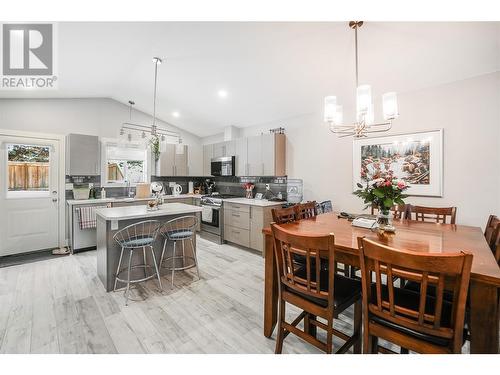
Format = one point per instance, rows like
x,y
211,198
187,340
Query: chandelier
x,y
147,134
364,123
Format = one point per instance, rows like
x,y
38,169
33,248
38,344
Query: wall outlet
x,y
171,184
69,186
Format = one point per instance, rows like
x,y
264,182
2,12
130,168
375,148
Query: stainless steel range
x,y
212,217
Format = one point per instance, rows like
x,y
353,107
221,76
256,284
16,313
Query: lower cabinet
x,y
243,224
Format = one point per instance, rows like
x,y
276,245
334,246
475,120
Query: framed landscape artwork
x,y
416,158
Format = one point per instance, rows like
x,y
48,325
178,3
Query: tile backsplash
x,y
225,185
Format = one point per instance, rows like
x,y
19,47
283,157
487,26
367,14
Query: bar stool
x,y
180,229
134,237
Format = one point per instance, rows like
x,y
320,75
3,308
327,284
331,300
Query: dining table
x,y
422,237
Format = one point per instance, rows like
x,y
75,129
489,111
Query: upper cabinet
x,y
208,154
262,155
174,161
266,155
82,155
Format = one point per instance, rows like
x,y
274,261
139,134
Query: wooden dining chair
x,y
305,210
432,214
398,211
413,320
314,290
283,215
492,235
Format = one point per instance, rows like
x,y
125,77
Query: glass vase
x,y
384,221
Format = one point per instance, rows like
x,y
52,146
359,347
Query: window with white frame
x,y
125,164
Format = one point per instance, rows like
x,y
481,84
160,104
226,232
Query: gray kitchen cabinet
x,y
82,155
181,160
218,150
208,154
241,150
254,154
226,148
267,155
172,163
262,155
243,224
167,161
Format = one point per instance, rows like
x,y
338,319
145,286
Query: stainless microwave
x,y
224,166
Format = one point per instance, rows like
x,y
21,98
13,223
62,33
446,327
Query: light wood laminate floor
x,y
60,306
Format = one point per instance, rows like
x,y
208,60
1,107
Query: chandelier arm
x,y
382,123
139,127
380,130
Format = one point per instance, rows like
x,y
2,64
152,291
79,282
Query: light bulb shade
x,y
363,99
390,105
330,108
339,116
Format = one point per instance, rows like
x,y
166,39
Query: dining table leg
x,y
484,318
270,288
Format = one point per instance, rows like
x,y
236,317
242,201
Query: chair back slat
x,y
439,300
390,287
425,269
283,215
444,215
291,274
423,300
305,210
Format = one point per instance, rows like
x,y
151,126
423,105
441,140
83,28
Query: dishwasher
x,y
82,239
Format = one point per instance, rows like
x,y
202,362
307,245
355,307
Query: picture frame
x,y
417,158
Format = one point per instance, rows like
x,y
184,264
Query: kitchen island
x,y
111,220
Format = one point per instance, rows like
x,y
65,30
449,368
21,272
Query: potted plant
x,y
383,192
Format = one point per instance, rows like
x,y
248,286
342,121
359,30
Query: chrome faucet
x,y
128,191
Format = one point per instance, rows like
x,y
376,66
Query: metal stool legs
x,y
174,256
129,268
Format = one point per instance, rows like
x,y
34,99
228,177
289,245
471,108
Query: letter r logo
x,y
27,49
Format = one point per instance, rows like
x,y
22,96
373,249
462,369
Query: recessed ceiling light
x,y
176,114
222,93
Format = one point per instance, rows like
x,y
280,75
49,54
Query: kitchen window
x,y
125,164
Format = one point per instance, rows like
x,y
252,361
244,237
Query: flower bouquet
x,y
384,192
248,186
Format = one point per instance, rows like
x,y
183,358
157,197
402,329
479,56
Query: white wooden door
x,y
29,196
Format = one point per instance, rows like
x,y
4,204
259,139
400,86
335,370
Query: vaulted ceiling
x,y
270,71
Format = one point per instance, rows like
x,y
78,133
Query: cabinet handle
x,y
173,170
262,169
235,231
236,215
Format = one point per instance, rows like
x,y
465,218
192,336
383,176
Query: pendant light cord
x,y
153,130
356,52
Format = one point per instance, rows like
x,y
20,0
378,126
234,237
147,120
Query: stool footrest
x,y
180,268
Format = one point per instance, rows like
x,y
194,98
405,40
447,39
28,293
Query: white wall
x,y
93,116
469,113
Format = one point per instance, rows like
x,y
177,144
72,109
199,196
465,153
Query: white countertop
x,y
254,202
141,212
72,202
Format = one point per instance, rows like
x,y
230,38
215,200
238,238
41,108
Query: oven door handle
x,y
212,207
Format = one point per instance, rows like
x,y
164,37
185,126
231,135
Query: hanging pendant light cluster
x,y
146,135
365,119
